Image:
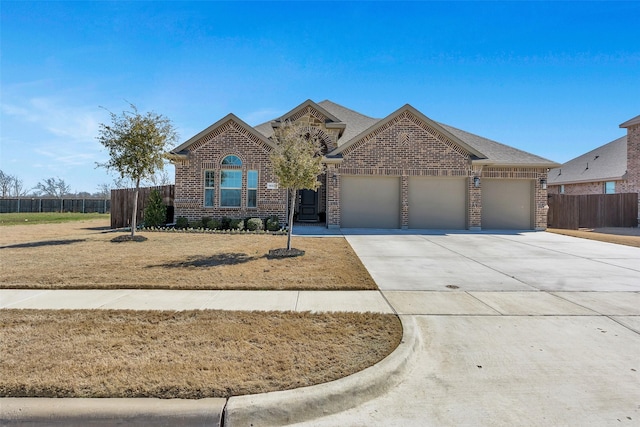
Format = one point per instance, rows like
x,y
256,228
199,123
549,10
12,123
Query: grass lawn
x,y
47,218
81,255
620,235
188,354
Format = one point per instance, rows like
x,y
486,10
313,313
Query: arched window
x,y
231,160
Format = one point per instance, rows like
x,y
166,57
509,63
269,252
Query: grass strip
x,y
185,354
601,237
29,218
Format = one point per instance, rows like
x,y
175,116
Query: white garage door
x,y
370,202
438,203
507,204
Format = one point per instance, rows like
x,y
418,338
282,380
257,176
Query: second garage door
x,y
507,204
370,202
437,203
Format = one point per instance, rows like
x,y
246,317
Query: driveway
x,y
517,329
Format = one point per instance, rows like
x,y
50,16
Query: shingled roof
x,y
356,124
606,163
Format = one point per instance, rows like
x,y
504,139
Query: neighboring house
x,y
402,171
611,168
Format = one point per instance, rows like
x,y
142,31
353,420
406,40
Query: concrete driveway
x,y
517,329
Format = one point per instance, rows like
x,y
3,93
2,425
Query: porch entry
x,y
308,205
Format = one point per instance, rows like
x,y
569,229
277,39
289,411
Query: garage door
x,y
370,202
438,203
507,204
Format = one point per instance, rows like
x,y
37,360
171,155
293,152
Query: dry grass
x,y
189,354
620,236
81,255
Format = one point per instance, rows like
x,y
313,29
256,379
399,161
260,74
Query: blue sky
x,y
552,78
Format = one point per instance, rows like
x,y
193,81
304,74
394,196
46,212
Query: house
x,y
609,169
401,171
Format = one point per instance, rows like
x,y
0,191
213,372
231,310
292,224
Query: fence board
x,y
122,204
40,204
592,210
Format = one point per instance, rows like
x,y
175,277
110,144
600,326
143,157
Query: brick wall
x,y
207,154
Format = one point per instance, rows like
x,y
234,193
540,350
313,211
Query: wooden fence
x,y
593,210
40,204
122,204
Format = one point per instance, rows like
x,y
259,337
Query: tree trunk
x,y
134,215
292,199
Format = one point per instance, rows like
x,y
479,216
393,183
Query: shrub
x,y
225,223
214,224
182,222
196,224
272,223
155,213
236,224
205,221
254,224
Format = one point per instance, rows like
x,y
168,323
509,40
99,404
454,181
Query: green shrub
x,y
254,224
155,213
272,223
214,224
182,222
205,221
225,223
236,224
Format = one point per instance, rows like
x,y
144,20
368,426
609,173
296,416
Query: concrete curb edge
x,y
303,404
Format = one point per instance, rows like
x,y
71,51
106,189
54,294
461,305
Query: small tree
x,y
297,162
6,181
136,145
155,213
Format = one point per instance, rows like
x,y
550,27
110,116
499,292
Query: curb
x,y
108,412
307,403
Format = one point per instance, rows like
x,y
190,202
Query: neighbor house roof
x,y
605,163
631,122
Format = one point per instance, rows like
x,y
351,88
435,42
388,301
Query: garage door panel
x,y
507,204
370,202
437,203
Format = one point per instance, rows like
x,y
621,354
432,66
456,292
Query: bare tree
x,y
5,184
297,162
104,190
160,178
53,187
136,145
17,187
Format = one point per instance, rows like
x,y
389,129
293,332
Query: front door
x,y
308,209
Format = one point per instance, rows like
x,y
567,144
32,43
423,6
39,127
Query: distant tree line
x,y
11,186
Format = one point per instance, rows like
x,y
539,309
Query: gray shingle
x,y
606,163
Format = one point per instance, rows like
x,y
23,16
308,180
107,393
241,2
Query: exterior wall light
x,y
543,183
476,181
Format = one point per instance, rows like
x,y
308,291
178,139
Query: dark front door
x,y
308,210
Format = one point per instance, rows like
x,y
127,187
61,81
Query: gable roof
x,y
406,108
183,148
605,163
355,126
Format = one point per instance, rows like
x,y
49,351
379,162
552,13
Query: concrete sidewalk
x,y
137,299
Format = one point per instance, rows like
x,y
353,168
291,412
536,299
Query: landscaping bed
x,y
87,255
187,354
619,235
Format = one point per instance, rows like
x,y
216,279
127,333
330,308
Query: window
x,y
209,180
252,189
230,188
231,161
561,188
610,187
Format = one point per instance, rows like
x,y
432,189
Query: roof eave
x,y
486,162
185,146
631,122
585,181
415,112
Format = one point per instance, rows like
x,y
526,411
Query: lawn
x,y
618,235
47,218
188,354
82,255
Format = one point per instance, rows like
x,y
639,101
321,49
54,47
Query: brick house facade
x,y
402,171
610,168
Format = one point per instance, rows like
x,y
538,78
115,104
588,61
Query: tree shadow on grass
x,y
43,243
210,261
